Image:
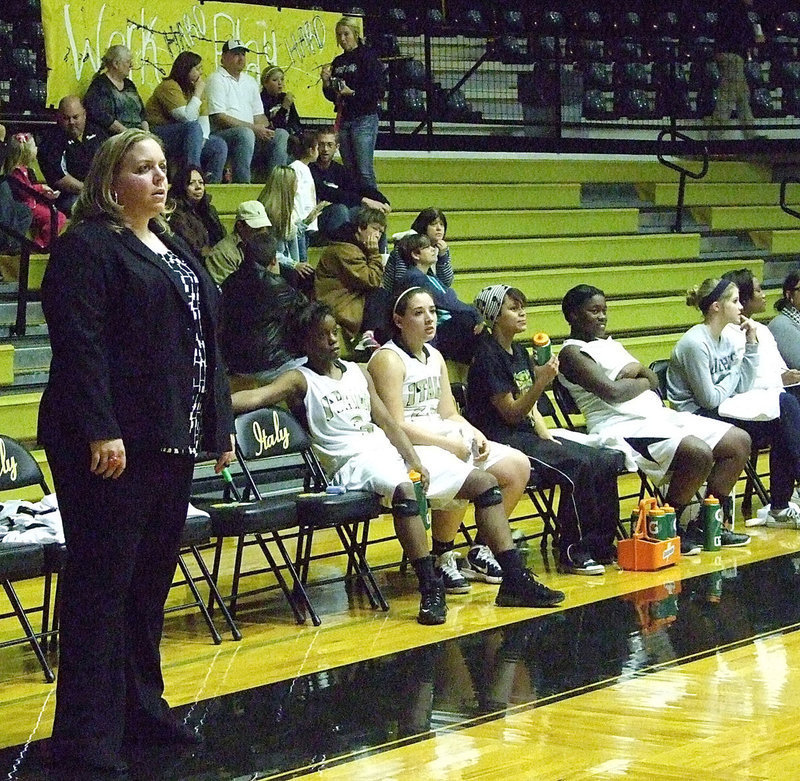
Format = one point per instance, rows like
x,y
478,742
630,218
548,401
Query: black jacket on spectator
x,y
60,154
198,225
735,32
279,116
105,103
362,71
252,318
335,184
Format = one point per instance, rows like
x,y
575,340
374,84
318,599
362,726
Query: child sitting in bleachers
x,y
430,222
24,185
458,323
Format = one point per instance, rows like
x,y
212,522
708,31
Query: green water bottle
x,y
711,521
542,349
655,520
422,500
670,523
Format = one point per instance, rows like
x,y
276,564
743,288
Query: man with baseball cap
x,y
227,255
237,115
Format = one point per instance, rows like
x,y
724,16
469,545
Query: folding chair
x,y
197,533
760,444
24,561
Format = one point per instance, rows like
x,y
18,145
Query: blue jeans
x,y
241,143
274,152
213,157
357,138
182,139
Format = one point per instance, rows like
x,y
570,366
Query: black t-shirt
x,y
61,154
494,371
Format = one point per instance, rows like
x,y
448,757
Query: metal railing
x,y
699,150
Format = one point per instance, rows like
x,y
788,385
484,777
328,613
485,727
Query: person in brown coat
x,y
349,278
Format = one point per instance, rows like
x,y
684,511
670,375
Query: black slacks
x,y
123,538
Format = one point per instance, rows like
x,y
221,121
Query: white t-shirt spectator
x,y
239,98
305,198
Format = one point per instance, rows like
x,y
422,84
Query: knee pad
x,y
489,498
405,508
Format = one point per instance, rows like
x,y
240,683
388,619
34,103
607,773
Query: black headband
x,y
714,295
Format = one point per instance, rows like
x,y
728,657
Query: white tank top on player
x,y
339,417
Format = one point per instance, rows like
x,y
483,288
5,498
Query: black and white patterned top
x,y
191,285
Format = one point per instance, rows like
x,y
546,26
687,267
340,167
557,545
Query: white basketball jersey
x,y
422,385
339,417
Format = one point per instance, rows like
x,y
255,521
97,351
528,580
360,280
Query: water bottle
x,y
422,500
542,350
711,521
670,523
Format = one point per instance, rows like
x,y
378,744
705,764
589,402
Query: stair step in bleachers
x,y
18,414
573,251
8,313
782,242
6,364
728,218
727,194
462,225
414,197
585,170
9,268
625,281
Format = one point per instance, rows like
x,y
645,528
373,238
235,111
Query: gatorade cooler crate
x,y
650,548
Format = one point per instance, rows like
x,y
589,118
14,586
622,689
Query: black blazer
x,y
123,342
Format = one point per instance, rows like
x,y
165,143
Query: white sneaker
x,y
787,518
482,565
454,581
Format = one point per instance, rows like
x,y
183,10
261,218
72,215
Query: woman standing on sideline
x,y
178,115
136,390
112,100
354,82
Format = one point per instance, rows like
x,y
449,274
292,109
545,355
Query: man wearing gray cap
x,y
237,115
227,255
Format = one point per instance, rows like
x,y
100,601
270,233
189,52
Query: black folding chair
x,y
18,469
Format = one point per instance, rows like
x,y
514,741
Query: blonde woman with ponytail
x,y
707,373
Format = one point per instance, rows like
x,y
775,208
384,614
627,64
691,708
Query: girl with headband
x,y
707,373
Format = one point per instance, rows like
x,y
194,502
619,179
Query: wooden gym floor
x,y
681,674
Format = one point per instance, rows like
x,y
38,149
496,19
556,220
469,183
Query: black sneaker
x,y
605,555
731,539
527,591
432,604
691,540
578,562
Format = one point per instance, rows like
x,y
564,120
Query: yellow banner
x,y
78,34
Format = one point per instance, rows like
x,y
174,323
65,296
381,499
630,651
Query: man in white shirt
x,y
237,115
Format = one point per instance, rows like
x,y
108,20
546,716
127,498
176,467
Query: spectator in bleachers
x,y
337,185
256,304
353,82
618,398
178,115
304,150
194,217
432,223
21,155
13,215
237,115
785,327
735,37
411,380
707,375
226,255
136,390
772,371
67,151
278,197
349,278
503,387
278,103
112,100
459,323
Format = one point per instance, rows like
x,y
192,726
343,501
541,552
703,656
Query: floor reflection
x,y
319,719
